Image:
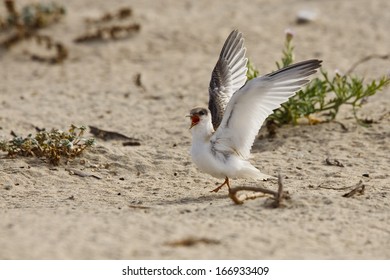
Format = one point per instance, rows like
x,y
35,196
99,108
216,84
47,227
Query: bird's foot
x,y
226,182
312,120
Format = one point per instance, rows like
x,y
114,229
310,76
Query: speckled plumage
x,y
228,76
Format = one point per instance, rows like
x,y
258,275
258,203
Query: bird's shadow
x,y
196,200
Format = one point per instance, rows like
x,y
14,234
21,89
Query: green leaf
x,y
323,94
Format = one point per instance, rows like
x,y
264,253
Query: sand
x,y
151,196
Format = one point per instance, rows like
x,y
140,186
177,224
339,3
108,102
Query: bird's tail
x,y
249,171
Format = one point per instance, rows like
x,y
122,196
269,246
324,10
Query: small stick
x,y
138,207
332,188
277,196
359,189
233,192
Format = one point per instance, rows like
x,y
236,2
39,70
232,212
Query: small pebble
x,y
305,16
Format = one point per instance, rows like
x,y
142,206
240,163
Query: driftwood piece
x,y
358,189
278,196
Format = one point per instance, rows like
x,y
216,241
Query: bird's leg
x,y
226,182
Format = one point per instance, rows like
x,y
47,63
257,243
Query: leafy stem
x,y
323,94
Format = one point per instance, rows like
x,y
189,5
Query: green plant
x,y
288,55
323,94
52,145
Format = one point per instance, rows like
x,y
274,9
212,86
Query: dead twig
x,y
138,207
332,188
233,193
61,52
109,33
359,189
277,196
25,23
334,162
109,26
131,143
120,14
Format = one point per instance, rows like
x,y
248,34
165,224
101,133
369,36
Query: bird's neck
x,y
202,132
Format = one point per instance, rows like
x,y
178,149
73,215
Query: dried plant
x,y
109,33
109,26
24,24
32,16
323,95
60,51
120,14
52,145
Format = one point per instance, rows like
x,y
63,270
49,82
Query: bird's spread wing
x,y
228,76
251,105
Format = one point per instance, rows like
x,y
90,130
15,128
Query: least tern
x,y
223,134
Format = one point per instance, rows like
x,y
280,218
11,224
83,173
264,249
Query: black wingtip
x,y
306,65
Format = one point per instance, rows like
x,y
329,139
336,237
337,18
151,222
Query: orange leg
x,y
223,184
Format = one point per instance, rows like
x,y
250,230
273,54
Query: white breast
x,y
206,161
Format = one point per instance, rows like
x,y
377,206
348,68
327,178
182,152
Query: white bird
x,y
223,135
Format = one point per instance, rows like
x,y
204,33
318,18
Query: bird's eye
x,y
202,113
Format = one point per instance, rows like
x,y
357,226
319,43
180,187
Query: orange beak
x,y
194,120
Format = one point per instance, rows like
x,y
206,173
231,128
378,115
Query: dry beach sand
x,y
151,197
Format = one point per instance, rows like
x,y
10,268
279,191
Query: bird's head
x,y
199,115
